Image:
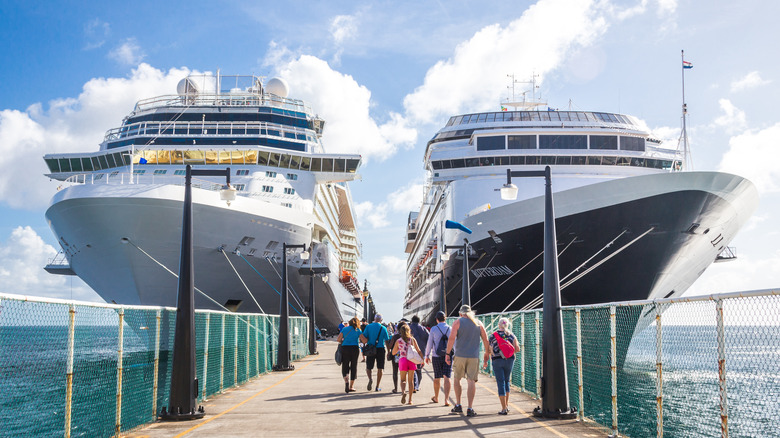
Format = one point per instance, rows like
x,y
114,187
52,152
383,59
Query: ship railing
x,y
208,129
103,369
640,368
239,99
124,178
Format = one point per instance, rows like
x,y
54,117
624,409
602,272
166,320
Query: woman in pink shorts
x,y
406,366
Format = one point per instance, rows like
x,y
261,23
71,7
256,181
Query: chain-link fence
x,y
84,369
688,367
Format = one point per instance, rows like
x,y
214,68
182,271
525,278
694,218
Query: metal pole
x,y
156,362
443,304
206,356
312,330
659,374
465,294
613,367
283,350
579,365
522,351
555,401
724,406
119,371
365,300
69,368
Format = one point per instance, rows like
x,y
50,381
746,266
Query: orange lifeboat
x,y
349,282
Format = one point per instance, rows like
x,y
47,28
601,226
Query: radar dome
x,y
277,86
187,86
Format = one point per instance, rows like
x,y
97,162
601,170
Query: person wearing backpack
x,y
503,344
435,351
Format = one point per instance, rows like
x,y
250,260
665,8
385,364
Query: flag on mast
x,y
687,64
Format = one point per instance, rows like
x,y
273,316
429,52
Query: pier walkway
x,y
310,401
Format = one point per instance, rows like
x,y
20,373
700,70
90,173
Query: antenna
x,y
683,141
523,104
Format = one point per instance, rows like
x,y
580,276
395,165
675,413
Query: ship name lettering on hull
x,y
493,271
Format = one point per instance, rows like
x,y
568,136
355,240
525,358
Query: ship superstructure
x,y
118,214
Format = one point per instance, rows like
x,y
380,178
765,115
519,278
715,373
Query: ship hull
x,y
125,243
635,238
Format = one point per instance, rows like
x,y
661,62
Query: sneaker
x,y
503,412
471,412
370,383
378,389
394,391
457,409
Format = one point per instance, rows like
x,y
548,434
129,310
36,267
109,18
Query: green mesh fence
x,y
718,359
116,376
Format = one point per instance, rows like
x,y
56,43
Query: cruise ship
x,y
118,213
632,222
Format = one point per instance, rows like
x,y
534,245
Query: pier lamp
x,y
555,388
312,272
284,354
443,291
184,384
365,300
465,284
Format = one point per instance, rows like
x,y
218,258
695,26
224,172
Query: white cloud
x,y
755,155
22,258
128,53
406,198
375,215
750,80
733,120
345,106
68,125
343,28
386,277
96,32
472,78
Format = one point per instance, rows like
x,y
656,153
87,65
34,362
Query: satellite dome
x,y
277,86
187,86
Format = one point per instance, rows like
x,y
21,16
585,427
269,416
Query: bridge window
x,y
603,142
563,142
522,142
491,143
632,143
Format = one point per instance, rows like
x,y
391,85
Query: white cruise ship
x,y
118,213
631,222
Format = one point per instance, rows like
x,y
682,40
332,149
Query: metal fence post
x,y
724,408
659,374
222,357
257,345
613,367
580,410
206,356
538,357
118,426
235,350
156,362
247,347
69,368
522,351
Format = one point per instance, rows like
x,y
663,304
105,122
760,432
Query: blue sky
x,y
385,76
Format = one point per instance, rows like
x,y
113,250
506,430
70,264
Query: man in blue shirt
x,y
375,334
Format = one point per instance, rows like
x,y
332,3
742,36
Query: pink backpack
x,y
506,349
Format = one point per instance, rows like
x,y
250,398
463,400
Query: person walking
x,y
466,334
349,338
375,334
394,357
432,355
407,367
420,335
363,325
502,343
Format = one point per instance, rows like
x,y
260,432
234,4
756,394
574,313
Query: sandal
x,y
403,399
346,388
433,399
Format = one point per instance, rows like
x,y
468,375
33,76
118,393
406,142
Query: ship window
x,y
289,191
338,165
180,172
532,159
98,176
292,176
262,158
95,163
177,157
638,162
240,187
544,116
547,159
491,143
632,143
86,164
327,165
273,160
594,160
486,161
522,142
111,162
436,165
458,163
579,159
482,118
295,161
139,171
286,204
517,159
608,161
316,164
563,142
103,163
273,132
623,161
352,165
269,174
75,165
666,164
54,164
533,115
242,172
194,157
305,163
458,120
65,165
268,189
446,164
501,161
284,161
603,142
491,117
160,172
563,160
565,116
470,162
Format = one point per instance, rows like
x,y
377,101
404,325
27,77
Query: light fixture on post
x,y
555,398
442,292
283,357
465,283
184,384
365,300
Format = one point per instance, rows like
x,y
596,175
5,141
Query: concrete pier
x,y
310,402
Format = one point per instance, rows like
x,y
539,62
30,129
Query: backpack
x,y
441,347
506,349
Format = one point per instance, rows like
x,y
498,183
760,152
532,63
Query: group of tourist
x,y
446,348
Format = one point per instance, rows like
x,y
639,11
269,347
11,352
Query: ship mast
x,y
523,104
683,141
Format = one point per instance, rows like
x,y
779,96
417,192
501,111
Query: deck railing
x,y
700,366
87,369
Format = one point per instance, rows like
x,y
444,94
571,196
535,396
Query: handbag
x,y
412,355
369,350
506,349
338,355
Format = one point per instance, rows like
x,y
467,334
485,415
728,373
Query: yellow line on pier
x,y
541,423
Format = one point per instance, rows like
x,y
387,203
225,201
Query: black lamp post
x,y
465,294
184,384
555,387
442,292
365,300
283,357
311,272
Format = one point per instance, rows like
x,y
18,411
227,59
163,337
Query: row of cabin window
x,y
263,158
551,116
601,142
239,172
575,160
